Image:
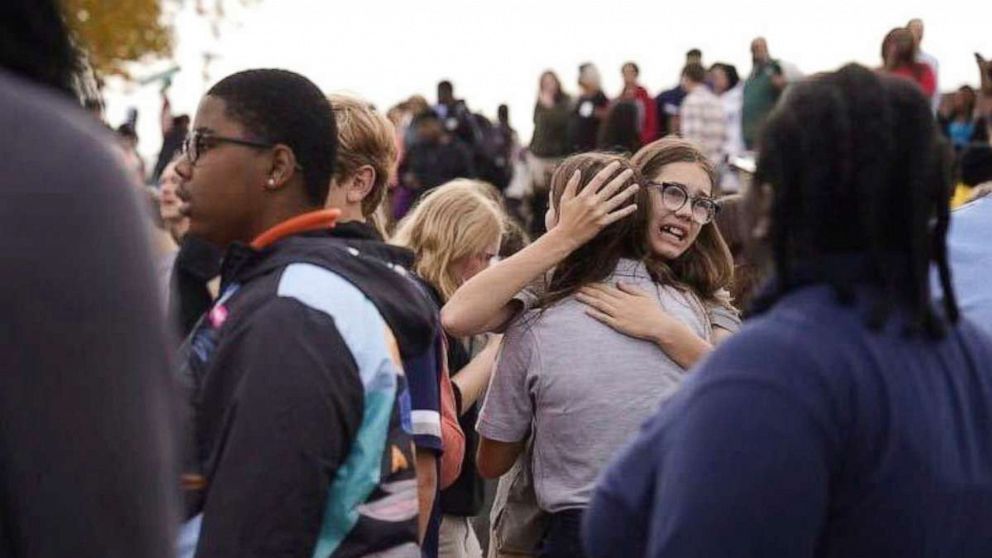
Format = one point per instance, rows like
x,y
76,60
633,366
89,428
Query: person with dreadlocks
x,y
850,417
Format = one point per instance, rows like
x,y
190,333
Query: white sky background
x,y
494,51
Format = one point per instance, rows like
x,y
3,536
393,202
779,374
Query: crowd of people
x,y
683,325
711,106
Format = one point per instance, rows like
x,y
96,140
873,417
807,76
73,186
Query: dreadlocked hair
x,y
855,166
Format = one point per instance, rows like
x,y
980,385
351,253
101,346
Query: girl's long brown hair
x,y
596,260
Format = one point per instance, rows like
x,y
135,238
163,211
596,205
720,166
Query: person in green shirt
x,y
548,145
761,91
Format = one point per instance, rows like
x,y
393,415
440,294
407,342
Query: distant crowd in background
x,y
713,105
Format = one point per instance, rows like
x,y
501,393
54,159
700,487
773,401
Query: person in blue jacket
x,y
851,417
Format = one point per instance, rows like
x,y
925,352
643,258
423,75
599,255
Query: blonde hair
x,y
365,137
451,222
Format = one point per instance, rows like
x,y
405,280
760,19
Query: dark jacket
x,y
424,374
428,165
550,139
365,238
197,263
423,367
294,372
810,434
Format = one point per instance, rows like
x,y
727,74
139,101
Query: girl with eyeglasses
x,y
677,238
572,386
685,252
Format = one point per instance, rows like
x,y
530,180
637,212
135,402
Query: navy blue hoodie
x,y
807,434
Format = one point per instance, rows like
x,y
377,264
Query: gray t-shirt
x,y
583,386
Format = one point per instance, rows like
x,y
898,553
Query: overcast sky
x,y
494,51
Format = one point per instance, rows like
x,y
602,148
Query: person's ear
x,y
282,169
361,184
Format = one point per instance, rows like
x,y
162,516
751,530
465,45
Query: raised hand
x,y
627,309
582,215
635,313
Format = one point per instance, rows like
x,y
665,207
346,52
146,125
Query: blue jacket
x,y
807,434
970,253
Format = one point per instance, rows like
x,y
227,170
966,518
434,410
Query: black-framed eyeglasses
x,y
198,141
674,196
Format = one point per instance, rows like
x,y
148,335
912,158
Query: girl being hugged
x,y
635,269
